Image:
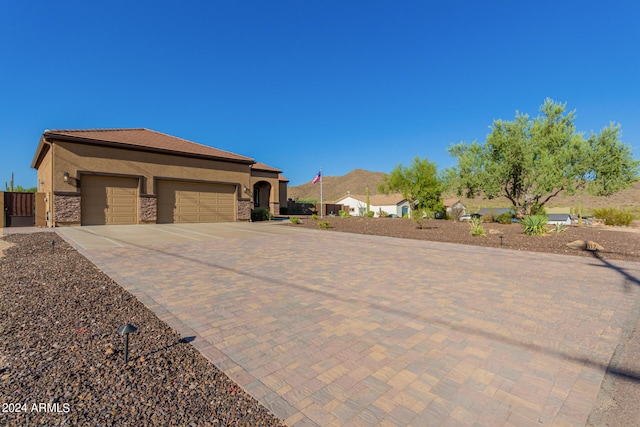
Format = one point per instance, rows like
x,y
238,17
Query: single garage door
x,y
109,200
180,201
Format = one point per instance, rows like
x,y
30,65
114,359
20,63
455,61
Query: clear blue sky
x,y
301,85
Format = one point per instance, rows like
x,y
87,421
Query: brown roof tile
x,y
145,139
261,166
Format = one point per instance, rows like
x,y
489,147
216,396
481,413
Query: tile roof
x,y
261,166
145,139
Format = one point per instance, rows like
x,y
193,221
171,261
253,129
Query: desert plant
x,y
613,216
261,214
324,224
294,220
505,218
560,228
534,225
383,214
343,214
490,216
476,227
417,216
370,214
314,217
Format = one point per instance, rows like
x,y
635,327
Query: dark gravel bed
x,y
60,351
620,245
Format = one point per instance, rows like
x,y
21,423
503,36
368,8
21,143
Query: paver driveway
x,y
338,329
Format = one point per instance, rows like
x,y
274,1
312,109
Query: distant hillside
x,y
334,187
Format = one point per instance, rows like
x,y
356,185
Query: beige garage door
x,y
109,200
180,201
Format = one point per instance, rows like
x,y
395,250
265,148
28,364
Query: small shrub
x,y
418,217
505,218
560,228
343,214
613,216
294,220
383,214
535,225
324,224
314,217
370,214
261,214
490,216
476,227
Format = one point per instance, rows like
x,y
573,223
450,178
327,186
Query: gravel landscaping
x,y
617,243
60,351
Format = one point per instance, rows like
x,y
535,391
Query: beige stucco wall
x,y
77,159
44,184
272,179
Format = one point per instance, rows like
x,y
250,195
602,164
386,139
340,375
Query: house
x,y
392,204
454,207
137,176
559,218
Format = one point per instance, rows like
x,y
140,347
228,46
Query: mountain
x,y
334,187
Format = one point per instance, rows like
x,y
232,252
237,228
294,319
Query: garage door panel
x,y
109,200
181,202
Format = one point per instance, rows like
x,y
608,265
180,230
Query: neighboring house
x,y
493,211
562,218
137,176
392,204
454,205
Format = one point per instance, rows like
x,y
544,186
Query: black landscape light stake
x,y
53,247
501,237
126,330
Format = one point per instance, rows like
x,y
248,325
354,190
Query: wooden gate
x,y
19,209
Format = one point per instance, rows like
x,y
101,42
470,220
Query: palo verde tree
x,y
530,161
418,183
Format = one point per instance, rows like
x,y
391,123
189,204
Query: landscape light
x,y
501,237
53,246
126,330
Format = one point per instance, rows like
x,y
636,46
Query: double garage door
x,y
180,201
114,200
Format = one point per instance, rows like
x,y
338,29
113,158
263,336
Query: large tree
x,y
418,183
530,161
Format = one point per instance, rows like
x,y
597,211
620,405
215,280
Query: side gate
x,y
19,209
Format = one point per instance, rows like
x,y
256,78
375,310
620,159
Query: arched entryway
x,y
261,195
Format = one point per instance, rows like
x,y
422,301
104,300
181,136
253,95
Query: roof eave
x,y
80,140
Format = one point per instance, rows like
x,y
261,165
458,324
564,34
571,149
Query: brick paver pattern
x,y
336,329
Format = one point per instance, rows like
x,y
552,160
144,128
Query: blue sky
x,y
301,85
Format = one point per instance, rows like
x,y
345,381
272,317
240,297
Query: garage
x,y
108,200
184,201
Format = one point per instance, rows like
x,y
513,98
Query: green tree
x,y
530,161
418,183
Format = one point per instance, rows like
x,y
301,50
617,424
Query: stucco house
x,y
137,176
392,204
454,206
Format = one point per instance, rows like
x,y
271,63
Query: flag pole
x,y
321,193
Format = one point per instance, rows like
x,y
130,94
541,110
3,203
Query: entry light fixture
x,y
126,330
66,177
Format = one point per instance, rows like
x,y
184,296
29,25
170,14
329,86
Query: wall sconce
x,y
66,177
